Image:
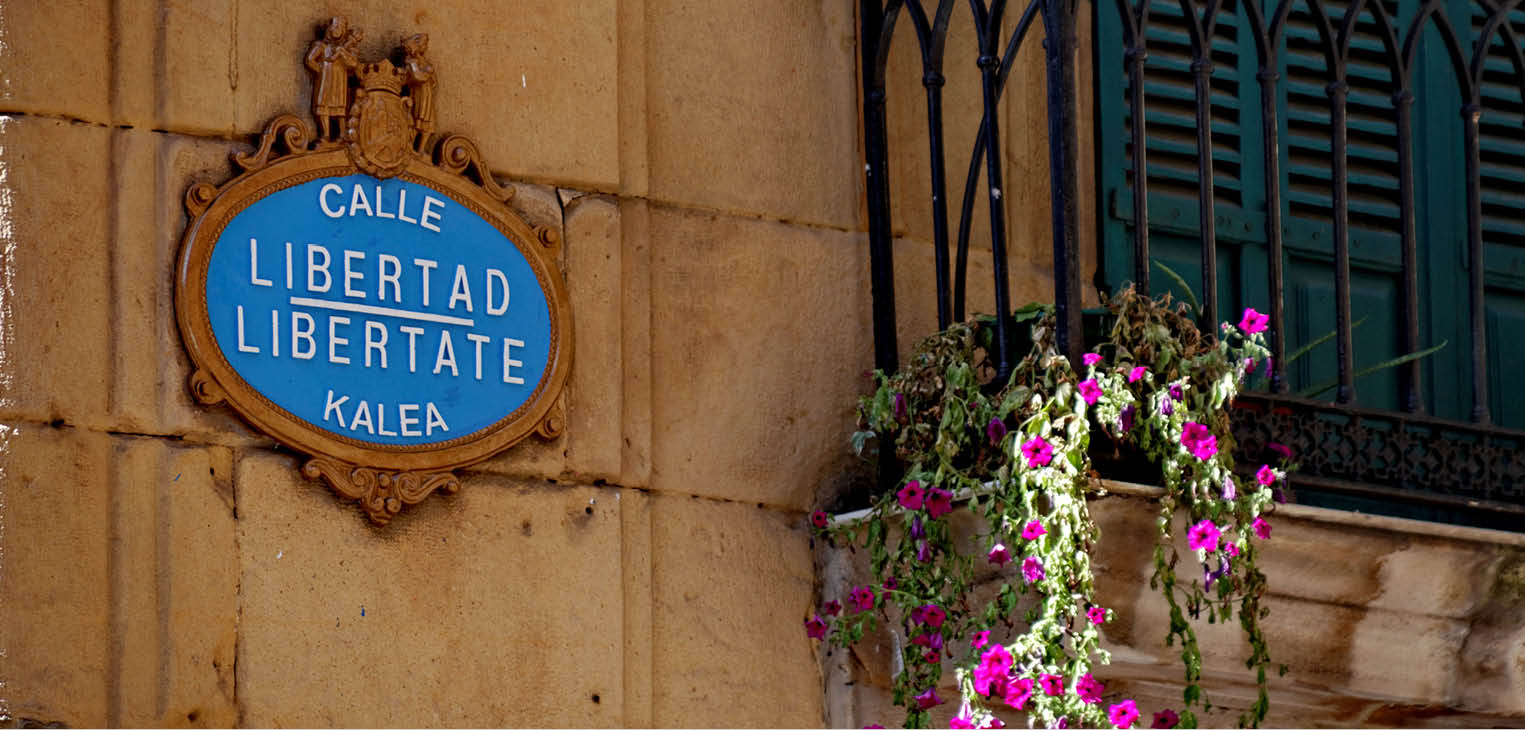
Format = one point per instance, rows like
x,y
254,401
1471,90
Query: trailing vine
x,y
1019,454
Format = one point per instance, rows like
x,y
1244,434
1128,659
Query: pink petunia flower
x,y
819,519
1136,373
1053,684
932,615
832,607
928,699
861,598
1285,452
1089,689
1253,321
999,555
1032,570
1033,530
1232,549
815,628
993,723
1090,391
1262,528
1266,475
1038,452
1091,358
981,638
995,430
1097,615
1123,714
1203,536
1018,692
911,495
992,673
1199,440
963,720
1165,719
939,502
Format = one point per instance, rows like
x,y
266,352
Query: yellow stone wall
x,y
163,564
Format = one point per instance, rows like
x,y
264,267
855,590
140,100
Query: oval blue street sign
x,y
379,311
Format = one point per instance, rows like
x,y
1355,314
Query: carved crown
x,y
381,75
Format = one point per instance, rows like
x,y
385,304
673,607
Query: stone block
x,y
54,269
1436,578
731,586
1404,656
468,589
56,625
760,335
57,58
595,406
751,106
1325,562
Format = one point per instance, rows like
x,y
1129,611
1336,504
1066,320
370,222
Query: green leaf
x,y
1305,349
1191,298
1313,391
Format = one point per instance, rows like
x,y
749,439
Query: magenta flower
x,y
1253,322
1089,689
1097,614
1249,366
1266,476
1165,719
910,495
932,615
994,723
1203,536
899,407
923,552
1125,419
981,638
1123,714
861,598
1053,684
1262,528
832,607
932,640
1038,452
1091,358
995,430
1032,570
1090,391
818,518
928,699
891,584
1018,692
939,502
1199,440
1033,530
918,531
1176,392
1285,452
1232,549
1136,373
1000,555
961,721
815,628
992,673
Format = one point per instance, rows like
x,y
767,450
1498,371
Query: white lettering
x,y
323,200
479,340
254,266
362,412
313,268
424,267
460,290
509,362
379,212
350,274
386,259
430,202
335,341
445,355
379,345
303,334
381,421
402,416
434,417
402,205
358,201
495,275
332,407
288,266
413,333
275,333
241,346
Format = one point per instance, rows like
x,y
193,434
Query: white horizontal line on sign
x,y
383,311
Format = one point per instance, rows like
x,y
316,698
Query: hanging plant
x,y
1017,455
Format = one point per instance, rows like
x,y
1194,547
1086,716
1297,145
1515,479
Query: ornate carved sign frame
x,y
306,305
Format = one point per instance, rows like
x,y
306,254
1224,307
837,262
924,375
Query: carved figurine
x,y
421,81
331,60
